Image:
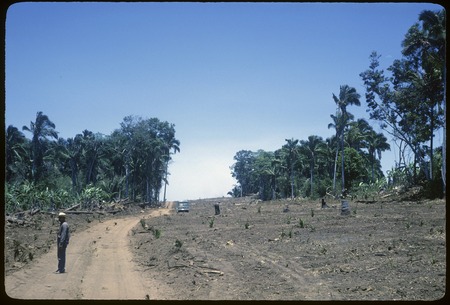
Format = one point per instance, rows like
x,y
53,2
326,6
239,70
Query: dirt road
x,y
99,266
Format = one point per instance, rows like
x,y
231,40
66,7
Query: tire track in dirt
x,y
308,285
99,266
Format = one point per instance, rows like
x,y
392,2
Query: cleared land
x,y
255,251
252,251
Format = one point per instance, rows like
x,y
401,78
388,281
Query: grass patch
x,y
142,221
156,233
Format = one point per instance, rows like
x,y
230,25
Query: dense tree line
x,y
410,106
307,168
49,171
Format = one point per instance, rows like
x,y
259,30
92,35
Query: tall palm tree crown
x,y
40,129
347,96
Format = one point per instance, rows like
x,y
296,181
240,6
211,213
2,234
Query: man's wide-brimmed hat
x,y
61,214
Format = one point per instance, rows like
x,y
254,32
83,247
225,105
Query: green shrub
x,y
178,244
157,233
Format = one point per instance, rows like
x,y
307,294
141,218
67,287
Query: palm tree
x,y
361,135
331,153
357,133
338,124
265,171
40,129
90,148
72,150
293,149
273,171
313,146
377,143
154,161
347,96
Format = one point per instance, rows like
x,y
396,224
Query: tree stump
x,y
216,208
345,208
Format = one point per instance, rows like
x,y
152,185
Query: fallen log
x,y
114,211
48,212
213,271
172,265
20,215
366,201
78,212
34,211
72,208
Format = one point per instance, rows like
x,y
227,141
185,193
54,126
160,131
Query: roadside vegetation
x,y
408,102
50,172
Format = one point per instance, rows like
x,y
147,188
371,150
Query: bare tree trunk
x,y
444,147
165,181
147,190
292,181
372,157
90,170
74,175
431,142
444,144
312,176
126,180
335,170
342,163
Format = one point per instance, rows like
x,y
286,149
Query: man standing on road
x,y
63,241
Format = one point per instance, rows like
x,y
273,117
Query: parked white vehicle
x,y
183,206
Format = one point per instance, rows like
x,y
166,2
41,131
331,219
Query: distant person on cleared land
x,y
217,208
63,241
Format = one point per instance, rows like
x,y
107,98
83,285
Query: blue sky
x,y
230,76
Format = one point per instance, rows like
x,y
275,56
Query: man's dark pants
x,y
61,259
